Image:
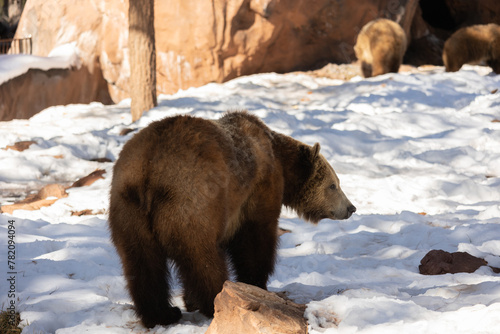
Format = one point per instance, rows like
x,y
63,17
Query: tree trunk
x,y
141,43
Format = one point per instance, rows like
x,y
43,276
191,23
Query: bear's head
x,y
321,195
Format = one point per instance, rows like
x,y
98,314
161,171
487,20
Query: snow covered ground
x,y
418,154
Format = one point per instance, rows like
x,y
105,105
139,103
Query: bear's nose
x,y
350,210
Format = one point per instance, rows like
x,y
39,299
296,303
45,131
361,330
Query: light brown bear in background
x,y
200,192
473,45
380,47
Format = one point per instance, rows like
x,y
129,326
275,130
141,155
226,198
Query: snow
x,y
64,56
417,153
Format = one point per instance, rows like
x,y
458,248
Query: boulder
x,y
47,196
29,93
20,145
244,309
89,179
52,190
438,262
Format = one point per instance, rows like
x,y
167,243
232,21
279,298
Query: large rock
x,y
439,262
47,196
246,309
29,93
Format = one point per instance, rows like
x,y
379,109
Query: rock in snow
x,y
438,262
48,195
244,309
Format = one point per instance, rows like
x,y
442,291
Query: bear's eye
x,y
333,186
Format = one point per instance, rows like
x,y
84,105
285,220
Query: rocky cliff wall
x,y
211,40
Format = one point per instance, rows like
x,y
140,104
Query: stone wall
x,y
35,90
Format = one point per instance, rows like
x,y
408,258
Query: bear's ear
x,y
315,151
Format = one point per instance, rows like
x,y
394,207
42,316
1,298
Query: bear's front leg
x,y
494,64
379,67
253,251
203,271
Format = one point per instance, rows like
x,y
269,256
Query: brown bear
x,y
473,45
380,46
200,192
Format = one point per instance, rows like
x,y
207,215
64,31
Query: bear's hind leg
x,y
147,275
494,64
393,65
203,272
451,64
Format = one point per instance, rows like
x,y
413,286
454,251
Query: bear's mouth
x,y
315,216
333,216
345,215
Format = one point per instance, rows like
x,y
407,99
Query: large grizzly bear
x,y
195,191
473,44
380,46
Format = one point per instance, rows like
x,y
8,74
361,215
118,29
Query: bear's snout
x,y
344,213
350,210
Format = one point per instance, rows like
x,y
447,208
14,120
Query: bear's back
x,y
381,33
473,45
251,141
479,34
170,143
380,47
193,159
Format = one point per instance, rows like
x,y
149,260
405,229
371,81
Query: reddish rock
x,y
52,190
49,194
85,212
244,309
45,197
89,179
31,92
438,262
20,145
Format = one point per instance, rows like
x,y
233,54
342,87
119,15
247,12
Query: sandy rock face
x,y
244,309
97,27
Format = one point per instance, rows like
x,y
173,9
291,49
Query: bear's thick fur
x,y
472,45
380,47
197,191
